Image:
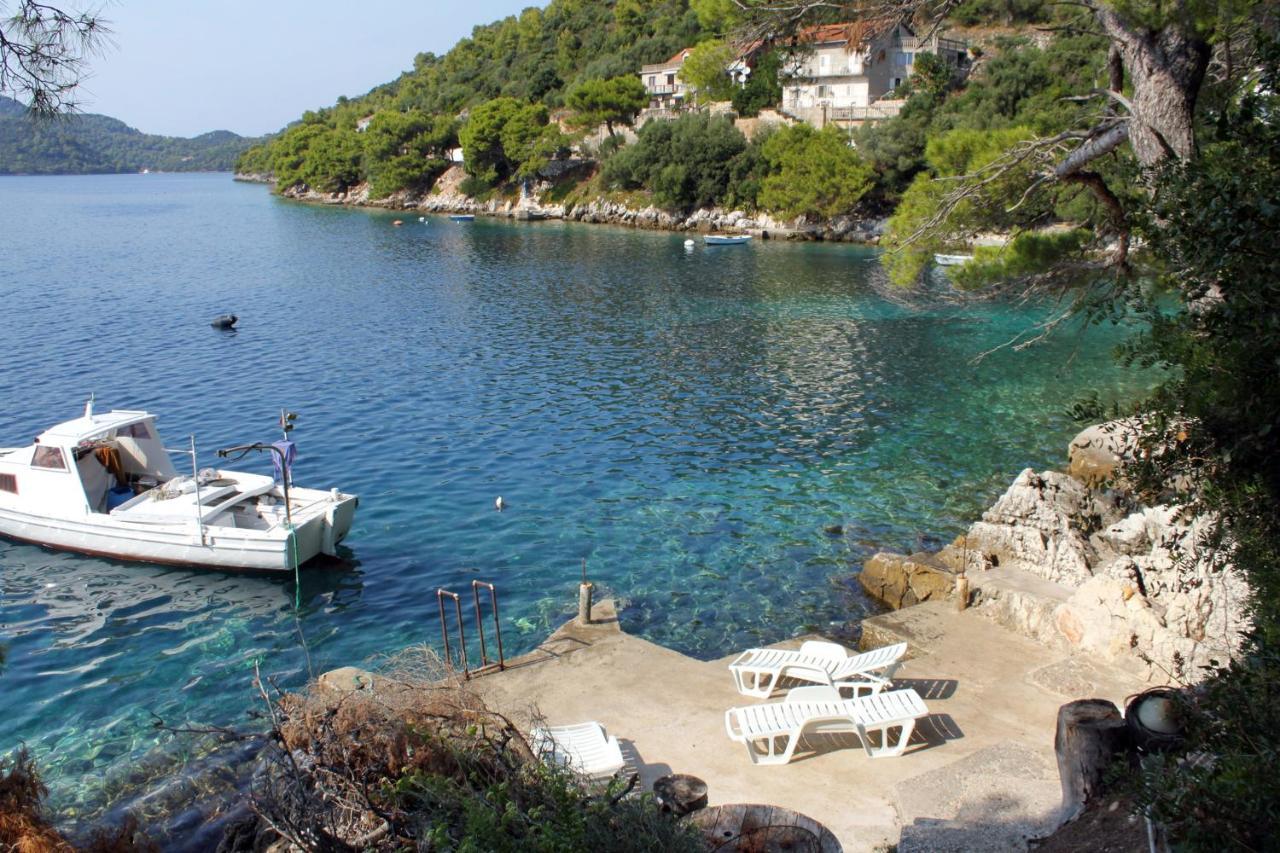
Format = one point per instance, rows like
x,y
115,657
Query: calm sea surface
x,y
687,422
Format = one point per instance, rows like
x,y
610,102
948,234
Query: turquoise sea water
x,y
687,422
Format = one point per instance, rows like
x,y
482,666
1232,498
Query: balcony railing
x,y
932,45
871,112
662,90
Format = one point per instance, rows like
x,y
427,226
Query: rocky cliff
x,y
1074,560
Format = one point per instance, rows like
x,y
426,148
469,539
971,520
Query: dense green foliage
x,y
941,135
700,160
608,102
763,87
87,143
506,138
686,163
705,69
1214,442
1021,85
406,150
536,58
812,172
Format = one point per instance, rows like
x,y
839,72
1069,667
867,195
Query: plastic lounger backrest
x,y
867,663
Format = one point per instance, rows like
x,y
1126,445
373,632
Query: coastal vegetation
x,y
90,144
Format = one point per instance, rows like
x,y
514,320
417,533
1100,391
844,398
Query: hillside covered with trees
x,y
90,144
525,90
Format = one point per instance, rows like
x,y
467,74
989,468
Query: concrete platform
x,y
980,772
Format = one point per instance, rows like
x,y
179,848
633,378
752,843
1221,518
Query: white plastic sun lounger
x,y
771,731
584,748
756,672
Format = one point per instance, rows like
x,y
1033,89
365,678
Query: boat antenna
x,y
286,422
88,406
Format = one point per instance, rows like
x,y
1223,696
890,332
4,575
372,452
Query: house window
x,y
824,91
671,79
824,64
8,483
48,457
653,81
897,81
908,58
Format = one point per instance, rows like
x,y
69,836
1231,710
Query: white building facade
x,y
662,81
840,74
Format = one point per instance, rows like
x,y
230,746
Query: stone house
x,y
847,73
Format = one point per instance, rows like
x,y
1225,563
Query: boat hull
x,y
318,529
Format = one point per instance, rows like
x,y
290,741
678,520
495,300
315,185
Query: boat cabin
x,y
98,461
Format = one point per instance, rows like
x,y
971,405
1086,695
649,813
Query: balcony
x,y
872,112
933,45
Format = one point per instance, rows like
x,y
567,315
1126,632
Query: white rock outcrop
x,y
1127,581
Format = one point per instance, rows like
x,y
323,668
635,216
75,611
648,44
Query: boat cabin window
x,y
138,430
8,483
48,457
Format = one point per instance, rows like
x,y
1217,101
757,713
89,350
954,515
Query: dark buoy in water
x,y
834,530
224,321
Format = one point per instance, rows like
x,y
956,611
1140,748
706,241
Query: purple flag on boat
x,y
289,451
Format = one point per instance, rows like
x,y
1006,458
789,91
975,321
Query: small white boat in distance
x,y
951,260
462,217
104,485
726,239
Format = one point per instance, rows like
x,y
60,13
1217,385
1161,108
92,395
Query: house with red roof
x,y
662,82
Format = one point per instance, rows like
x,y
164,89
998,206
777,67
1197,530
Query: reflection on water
x,y
686,422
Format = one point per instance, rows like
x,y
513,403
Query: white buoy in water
x,y
422,219
499,504
689,244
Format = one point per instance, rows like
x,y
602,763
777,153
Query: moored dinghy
x,y
726,239
103,484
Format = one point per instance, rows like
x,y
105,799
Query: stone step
x,y
922,627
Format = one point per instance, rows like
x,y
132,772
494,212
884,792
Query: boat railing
x,y
463,660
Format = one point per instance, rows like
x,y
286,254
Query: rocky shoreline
x,y
446,197
1073,560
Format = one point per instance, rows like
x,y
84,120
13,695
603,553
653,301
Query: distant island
x,y
97,144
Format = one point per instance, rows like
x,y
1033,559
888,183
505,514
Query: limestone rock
x,y
1095,454
1041,525
901,581
1124,582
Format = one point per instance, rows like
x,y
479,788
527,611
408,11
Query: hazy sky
x,y
184,67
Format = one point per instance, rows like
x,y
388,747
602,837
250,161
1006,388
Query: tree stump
x,y
1091,734
680,793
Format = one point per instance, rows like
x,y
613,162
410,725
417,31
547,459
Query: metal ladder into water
x,y
486,665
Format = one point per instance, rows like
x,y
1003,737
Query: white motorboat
x,y
462,217
726,239
951,260
103,484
